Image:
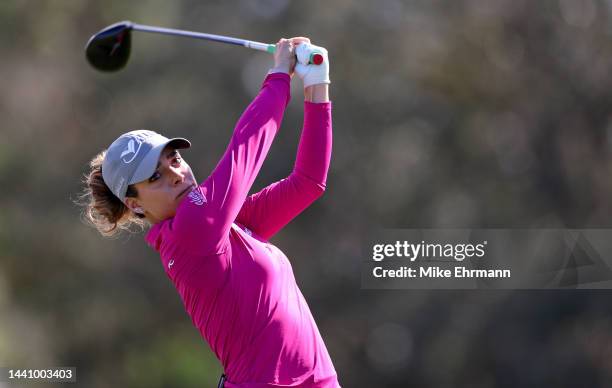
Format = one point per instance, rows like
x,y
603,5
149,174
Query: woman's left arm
x,y
317,93
269,210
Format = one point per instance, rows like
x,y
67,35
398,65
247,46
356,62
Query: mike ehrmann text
x,y
437,272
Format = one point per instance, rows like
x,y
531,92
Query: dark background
x,y
447,114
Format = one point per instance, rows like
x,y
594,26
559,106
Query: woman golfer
x,y
238,289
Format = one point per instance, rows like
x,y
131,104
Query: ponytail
x,y
102,209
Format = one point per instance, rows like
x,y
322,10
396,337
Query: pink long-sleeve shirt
x,y
238,288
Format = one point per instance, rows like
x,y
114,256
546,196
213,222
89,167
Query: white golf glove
x,y
311,74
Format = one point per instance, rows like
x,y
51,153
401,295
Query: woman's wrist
x,y
317,93
279,69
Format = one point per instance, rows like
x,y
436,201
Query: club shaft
x,y
200,35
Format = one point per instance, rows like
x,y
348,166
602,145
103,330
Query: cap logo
x,y
130,149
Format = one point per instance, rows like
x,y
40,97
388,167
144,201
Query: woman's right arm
x,y
204,218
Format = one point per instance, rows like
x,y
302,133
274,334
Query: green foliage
x,y
171,360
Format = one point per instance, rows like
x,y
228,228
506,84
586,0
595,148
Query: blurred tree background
x,y
468,113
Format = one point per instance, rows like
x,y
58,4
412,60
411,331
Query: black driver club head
x,y
109,49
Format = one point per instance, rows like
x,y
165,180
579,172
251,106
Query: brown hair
x,y
103,209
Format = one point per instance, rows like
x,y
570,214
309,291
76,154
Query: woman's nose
x,y
176,176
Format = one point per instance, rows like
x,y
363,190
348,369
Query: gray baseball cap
x,y
133,157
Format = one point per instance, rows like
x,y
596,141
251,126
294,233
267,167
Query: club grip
x,y
316,58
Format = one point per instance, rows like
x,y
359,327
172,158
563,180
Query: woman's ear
x,y
134,206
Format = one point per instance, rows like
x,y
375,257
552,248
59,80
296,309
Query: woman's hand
x,y
284,57
315,77
312,74
316,81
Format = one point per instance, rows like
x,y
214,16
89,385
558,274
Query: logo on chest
x,y
196,197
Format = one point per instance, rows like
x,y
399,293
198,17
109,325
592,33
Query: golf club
x,y
109,49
